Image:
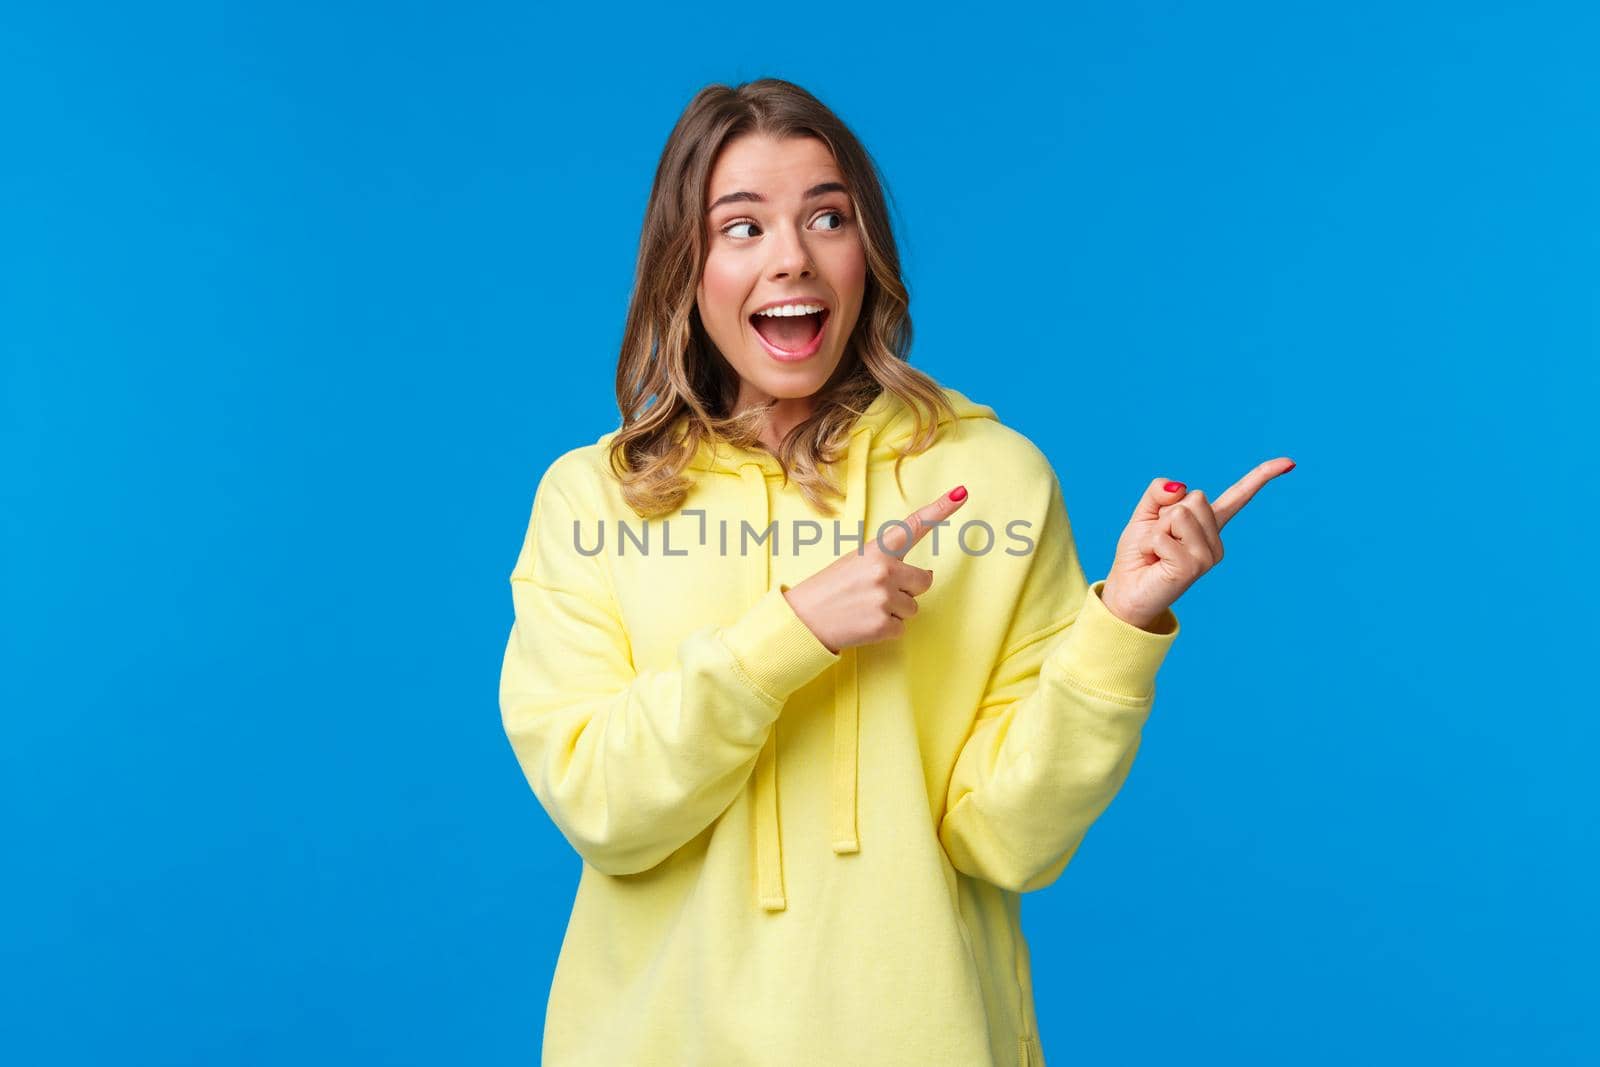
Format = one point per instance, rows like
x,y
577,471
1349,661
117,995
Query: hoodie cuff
x,y
775,648
1110,654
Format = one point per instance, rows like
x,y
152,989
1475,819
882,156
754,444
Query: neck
x,y
782,417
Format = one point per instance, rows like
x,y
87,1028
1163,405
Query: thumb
x,y
1157,495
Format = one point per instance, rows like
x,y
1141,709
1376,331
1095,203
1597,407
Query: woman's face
x,y
781,230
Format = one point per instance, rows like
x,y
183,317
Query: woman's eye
x,y
836,214
729,229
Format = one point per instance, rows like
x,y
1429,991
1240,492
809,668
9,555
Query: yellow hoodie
x,y
792,857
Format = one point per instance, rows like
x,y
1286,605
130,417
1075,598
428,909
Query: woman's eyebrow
x,y
810,194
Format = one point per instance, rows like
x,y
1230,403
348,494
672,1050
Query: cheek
x,y
722,290
850,272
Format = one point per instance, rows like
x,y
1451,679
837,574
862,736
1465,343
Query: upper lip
x,y
792,300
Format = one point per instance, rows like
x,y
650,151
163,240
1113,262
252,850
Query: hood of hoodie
x,y
880,432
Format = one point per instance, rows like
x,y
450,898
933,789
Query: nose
x,y
789,257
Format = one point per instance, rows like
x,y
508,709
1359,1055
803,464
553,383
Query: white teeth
x,y
791,309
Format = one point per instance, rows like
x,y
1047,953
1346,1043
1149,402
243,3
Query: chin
x,y
794,385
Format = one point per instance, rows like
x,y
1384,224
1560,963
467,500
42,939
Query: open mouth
x,y
793,335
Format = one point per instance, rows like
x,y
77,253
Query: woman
x,y
807,778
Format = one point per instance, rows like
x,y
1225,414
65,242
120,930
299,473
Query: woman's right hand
x,y
868,595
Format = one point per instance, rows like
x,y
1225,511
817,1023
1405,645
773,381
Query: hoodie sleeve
x,y
1059,722
631,765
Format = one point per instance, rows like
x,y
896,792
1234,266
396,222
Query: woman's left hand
x,y
1173,538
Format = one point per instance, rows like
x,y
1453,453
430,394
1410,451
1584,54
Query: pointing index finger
x,y
897,541
1239,493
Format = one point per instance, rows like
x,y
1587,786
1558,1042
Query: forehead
x,y
772,167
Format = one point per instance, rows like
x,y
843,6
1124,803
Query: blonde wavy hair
x,y
668,364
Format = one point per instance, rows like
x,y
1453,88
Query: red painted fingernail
x,y
1289,468
1173,487
958,493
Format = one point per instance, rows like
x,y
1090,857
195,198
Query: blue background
x,y
299,300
